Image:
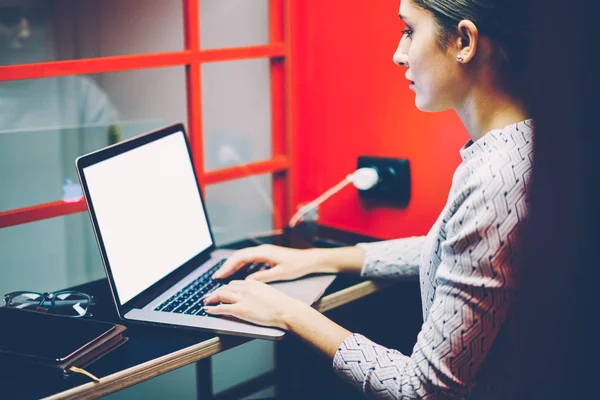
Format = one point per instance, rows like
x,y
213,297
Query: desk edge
x,y
152,368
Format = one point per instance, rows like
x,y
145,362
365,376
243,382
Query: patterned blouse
x,y
466,271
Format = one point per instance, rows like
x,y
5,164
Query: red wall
x,y
349,99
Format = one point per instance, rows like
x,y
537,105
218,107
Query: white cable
x,y
363,179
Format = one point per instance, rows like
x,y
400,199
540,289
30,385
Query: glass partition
x,y
38,166
51,30
236,112
239,208
233,23
49,255
45,124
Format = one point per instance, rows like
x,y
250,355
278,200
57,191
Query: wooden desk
x,y
152,351
194,353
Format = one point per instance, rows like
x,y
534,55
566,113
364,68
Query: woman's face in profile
x,y
432,72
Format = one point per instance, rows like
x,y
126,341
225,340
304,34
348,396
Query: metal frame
x,y
278,50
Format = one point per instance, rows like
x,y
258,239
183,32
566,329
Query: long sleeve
x,y
467,284
397,258
471,302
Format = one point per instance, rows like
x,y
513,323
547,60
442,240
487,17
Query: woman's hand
x,y
254,302
285,264
262,304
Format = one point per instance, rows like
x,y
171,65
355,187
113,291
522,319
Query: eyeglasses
x,y
66,302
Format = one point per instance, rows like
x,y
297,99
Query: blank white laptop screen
x,y
149,212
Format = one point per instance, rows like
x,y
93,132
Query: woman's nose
x,y
401,54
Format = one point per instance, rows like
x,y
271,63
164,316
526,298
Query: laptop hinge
x,y
148,295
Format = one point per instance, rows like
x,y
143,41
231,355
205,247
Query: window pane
x,y
236,112
49,255
42,30
46,123
239,208
233,23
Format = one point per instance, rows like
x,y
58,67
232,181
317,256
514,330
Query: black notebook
x,y
36,340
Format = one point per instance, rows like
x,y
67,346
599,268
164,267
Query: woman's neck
x,y
486,110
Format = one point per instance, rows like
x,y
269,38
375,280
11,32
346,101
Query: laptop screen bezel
x,y
143,298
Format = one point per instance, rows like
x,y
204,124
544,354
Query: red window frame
x,y
192,57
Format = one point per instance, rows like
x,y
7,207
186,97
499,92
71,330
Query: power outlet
x,y
393,187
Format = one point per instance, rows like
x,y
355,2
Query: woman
x,y
462,56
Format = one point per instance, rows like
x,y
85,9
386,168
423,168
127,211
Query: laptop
x,y
155,239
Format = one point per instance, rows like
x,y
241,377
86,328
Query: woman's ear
x,y
467,41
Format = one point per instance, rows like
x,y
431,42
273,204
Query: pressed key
x,y
202,312
187,300
193,310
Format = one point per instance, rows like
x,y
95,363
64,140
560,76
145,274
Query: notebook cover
x,y
81,356
95,355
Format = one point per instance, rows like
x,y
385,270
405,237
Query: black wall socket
x,y
393,187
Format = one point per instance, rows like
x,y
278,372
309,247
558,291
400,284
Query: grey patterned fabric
x,y
466,272
399,258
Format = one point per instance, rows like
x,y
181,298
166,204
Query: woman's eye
x,y
407,32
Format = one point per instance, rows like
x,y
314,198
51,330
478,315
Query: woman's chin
x,y
427,106
422,105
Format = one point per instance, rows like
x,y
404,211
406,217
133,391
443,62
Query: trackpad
x,y
308,289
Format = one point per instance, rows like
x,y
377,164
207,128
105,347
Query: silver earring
x,y
459,58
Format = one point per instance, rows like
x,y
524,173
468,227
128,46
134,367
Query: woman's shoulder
x,y
504,151
500,143
500,163
518,136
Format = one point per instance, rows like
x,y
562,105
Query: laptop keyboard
x,y
188,299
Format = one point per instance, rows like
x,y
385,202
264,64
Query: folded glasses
x,y
66,302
